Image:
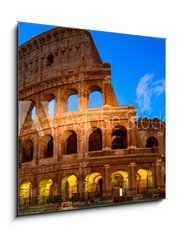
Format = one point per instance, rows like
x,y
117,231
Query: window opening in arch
x,y
119,138
95,140
72,103
151,142
49,151
72,144
52,107
95,100
27,151
50,60
33,113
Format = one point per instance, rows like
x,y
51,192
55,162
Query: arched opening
x,y
52,107
25,194
48,144
151,142
72,143
119,181
27,151
69,188
144,180
69,142
119,138
95,140
46,191
72,104
94,185
95,97
33,114
50,60
49,151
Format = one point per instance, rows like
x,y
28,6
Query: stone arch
x,y
25,193
151,142
95,140
95,96
69,144
45,190
27,151
50,60
48,149
144,180
69,187
94,185
119,137
119,180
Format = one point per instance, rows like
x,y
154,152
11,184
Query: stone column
x,y
82,99
133,137
36,149
56,143
58,103
34,192
80,144
106,182
107,133
132,179
158,173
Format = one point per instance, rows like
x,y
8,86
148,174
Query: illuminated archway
x,y
25,194
119,181
69,187
144,180
93,185
45,190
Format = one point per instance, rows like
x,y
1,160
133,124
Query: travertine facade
x,y
89,153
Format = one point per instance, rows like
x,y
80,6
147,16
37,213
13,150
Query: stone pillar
x,y
107,133
106,182
132,137
34,192
56,143
158,174
80,144
132,179
36,149
82,99
58,103
83,171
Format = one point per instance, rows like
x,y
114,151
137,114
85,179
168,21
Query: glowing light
x,y
69,187
92,181
120,179
44,190
25,193
144,179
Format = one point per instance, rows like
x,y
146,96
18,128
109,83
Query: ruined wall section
x,y
59,51
151,128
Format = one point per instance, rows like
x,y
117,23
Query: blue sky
x,y
137,67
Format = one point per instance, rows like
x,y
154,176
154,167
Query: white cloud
x,y
146,89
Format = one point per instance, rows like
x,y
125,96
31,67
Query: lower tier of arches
x,y
92,185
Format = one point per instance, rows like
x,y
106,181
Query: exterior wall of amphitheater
x,y
56,65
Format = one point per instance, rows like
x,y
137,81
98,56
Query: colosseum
x,y
83,158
